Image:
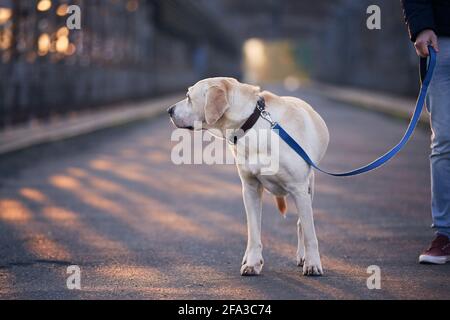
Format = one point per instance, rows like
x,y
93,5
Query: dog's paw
x,y
249,271
300,261
312,267
252,262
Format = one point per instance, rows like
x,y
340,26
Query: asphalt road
x,y
140,227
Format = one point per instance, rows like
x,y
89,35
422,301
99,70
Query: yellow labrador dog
x,y
224,104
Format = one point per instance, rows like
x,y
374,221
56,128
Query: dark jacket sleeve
x,y
418,16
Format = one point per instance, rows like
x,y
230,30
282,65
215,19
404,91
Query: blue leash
x,y
426,79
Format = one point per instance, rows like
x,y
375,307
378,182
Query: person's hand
x,y
423,40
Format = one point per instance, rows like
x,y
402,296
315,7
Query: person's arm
x,y
419,18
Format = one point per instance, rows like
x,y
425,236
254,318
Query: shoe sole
x,y
426,259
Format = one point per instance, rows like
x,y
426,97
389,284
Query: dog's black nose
x,y
171,110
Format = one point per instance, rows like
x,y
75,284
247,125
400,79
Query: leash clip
x,y
265,114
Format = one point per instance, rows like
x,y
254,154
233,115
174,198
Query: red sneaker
x,y
438,253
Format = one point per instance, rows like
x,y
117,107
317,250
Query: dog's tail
x,y
282,205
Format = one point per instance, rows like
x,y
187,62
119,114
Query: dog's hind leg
x,y
311,262
253,261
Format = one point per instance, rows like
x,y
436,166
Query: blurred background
x,y
135,49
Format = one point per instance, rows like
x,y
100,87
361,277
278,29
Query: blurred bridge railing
x,y
126,49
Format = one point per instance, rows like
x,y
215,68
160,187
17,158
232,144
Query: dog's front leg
x,y
311,264
252,193
301,241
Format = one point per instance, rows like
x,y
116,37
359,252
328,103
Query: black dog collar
x,y
251,121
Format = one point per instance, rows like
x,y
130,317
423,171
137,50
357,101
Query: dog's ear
x,y
216,104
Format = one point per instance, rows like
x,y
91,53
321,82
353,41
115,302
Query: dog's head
x,y
213,102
